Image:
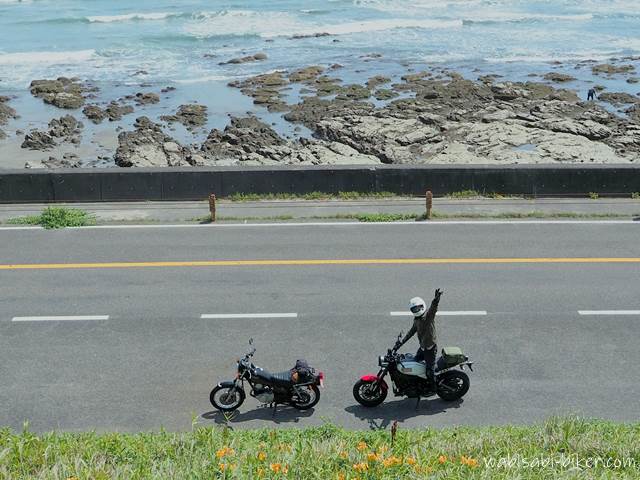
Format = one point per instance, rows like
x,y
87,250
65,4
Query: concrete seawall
x,y
117,184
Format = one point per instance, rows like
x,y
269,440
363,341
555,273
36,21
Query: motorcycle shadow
x,y
284,414
400,410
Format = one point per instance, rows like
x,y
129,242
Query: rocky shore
x,y
423,117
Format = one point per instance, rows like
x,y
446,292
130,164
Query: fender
x,y
226,384
373,378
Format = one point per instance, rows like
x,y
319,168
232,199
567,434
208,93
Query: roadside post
x,y
429,201
212,206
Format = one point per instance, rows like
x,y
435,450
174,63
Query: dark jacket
x,y
425,327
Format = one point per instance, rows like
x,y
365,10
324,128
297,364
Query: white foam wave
x,y
369,26
131,16
47,58
524,17
240,23
550,57
208,78
284,24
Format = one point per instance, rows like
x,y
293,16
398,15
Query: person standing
x,y
591,94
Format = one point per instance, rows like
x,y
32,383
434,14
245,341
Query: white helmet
x,y
417,306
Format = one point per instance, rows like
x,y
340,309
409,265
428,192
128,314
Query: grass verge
x,y
57,217
254,197
559,448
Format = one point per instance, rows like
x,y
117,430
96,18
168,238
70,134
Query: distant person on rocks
x,y
591,94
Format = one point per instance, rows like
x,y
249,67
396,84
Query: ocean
x,y
121,44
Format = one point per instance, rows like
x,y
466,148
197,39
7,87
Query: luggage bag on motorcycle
x,y
302,372
452,356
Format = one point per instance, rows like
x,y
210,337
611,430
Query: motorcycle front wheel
x,y
452,385
226,398
368,393
307,398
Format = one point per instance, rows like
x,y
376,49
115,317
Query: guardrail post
x,y
429,204
212,206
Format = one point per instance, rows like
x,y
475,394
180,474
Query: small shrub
x,y
635,195
464,194
57,217
593,195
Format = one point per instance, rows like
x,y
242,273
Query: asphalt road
x,y
154,360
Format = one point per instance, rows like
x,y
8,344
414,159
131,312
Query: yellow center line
x,y
359,261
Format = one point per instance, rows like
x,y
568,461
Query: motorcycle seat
x,y
281,378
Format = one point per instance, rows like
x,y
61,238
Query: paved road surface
x,y
149,359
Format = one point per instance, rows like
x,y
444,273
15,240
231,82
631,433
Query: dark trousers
x,y
590,96
429,358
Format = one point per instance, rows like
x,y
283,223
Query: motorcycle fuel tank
x,y
410,367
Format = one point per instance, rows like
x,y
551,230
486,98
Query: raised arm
x,y
434,303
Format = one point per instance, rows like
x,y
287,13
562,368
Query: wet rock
x,y
508,91
116,111
147,98
241,137
633,80
588,128
618,98
94,113
384,94
376,81
149,146
37,140
189,115
167,89
65,127
62,92
558,77
250,58
2,134
609,69
307,74
6,112
298,36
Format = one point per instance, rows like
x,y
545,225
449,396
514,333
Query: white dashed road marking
x,y
248,315
60,318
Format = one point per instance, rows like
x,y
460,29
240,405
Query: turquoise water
x,y
111,40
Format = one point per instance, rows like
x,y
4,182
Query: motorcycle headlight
x,y
381,361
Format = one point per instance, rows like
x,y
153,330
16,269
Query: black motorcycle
x,y
409,379
297,387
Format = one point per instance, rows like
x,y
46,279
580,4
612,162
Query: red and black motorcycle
x,y
409,378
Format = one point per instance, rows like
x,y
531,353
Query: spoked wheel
x,y
226,398
452,385
369,393
306,397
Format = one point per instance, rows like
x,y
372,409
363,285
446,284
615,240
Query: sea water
x,y
119,44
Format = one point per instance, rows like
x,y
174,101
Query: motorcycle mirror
x,y
251,341
400,335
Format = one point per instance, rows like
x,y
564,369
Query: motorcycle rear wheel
x,y
226,398
368,394
313,397
452,385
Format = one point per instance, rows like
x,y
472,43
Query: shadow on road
x,y
283,414
380,417
636,219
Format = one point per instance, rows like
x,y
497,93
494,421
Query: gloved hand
x,y
438,293
397,345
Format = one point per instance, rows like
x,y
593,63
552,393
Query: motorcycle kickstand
x,y
418,403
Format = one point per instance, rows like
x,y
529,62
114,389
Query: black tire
x,y
220,397
313,398
452,385
367,394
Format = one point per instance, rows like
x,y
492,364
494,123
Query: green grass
x,y
254,197
552,449
57,217
476,194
